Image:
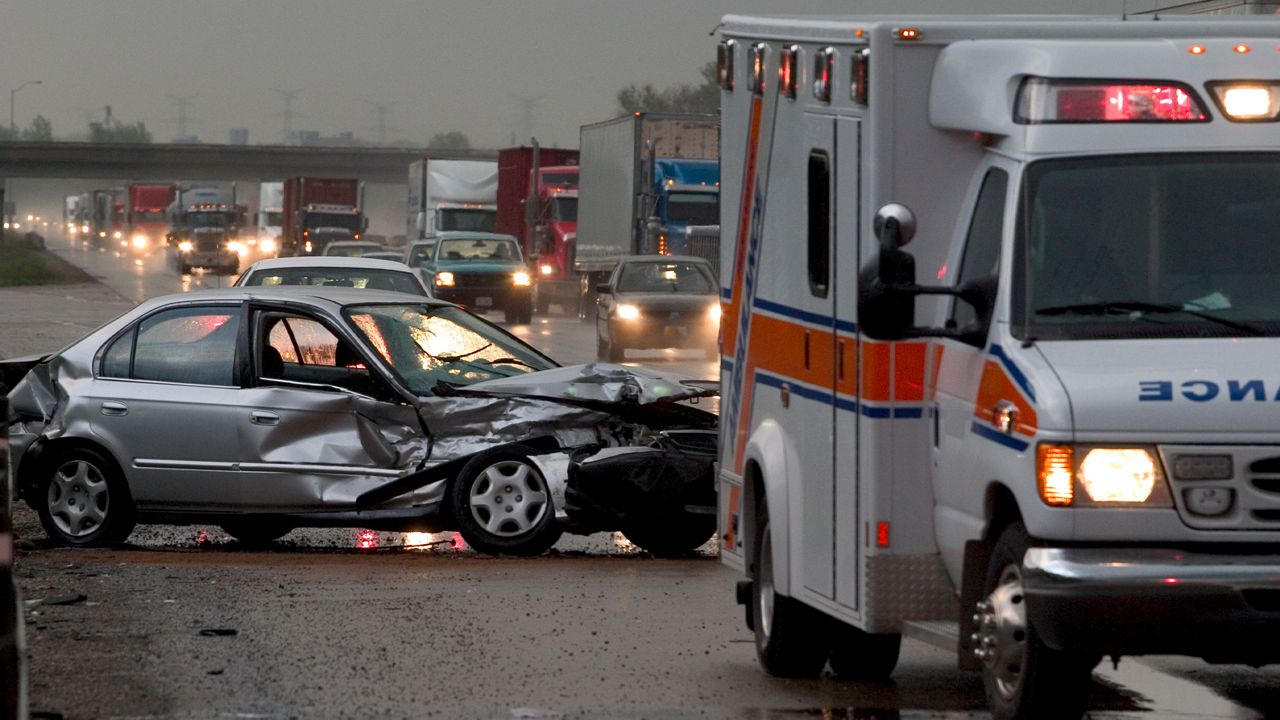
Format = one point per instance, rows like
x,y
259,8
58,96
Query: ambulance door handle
x,y
840,360
936,412
806,349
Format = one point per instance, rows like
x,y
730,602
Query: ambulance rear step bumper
x,y
1143,601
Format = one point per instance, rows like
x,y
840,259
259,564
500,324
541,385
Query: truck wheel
x,y
503,504
863,656
671,536
541,301
83,499
1023,677
791,638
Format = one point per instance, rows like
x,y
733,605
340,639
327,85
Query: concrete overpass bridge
x,y
165,162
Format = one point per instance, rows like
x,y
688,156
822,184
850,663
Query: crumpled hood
x,y
597,385
1172,386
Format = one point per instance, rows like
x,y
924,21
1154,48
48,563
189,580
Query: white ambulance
x,y
1046,428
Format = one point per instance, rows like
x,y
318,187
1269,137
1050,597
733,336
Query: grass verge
x,y
24,261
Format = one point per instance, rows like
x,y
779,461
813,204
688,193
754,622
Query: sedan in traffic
x,y
352,248
365,273
264,409
657,301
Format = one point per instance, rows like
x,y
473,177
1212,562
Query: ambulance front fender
x,y
770,454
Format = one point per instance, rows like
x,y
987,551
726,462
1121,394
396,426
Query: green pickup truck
x,y
482,272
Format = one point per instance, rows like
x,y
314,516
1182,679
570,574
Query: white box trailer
x,y
1060,443
451,195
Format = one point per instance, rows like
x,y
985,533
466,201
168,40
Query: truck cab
x,y
323,224
686,198
997,313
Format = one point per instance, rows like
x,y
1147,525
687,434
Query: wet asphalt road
x,y
183,622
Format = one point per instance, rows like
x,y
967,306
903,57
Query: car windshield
x,y
371,279
467,219
565,209
428,345
694,208
1150,246
351,250
563,179
333,220
501,249
665,277
206,219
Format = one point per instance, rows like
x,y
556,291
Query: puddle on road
x,y
212,537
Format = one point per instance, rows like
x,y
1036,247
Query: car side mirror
x,y
603,289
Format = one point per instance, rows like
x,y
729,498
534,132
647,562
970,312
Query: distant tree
x,y
41,130
689,98
452,140
7,135
119,133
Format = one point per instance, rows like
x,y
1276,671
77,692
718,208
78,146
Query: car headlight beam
x,y
520,278
444,279
627,312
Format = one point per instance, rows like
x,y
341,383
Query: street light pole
x,y
12,127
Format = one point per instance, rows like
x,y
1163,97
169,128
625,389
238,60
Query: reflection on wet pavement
x,y
211,537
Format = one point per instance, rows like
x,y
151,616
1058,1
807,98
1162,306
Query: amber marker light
x,y
1196,50
1241,48
1055,478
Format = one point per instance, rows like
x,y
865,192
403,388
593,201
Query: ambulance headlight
x,y
1084,476
1248,101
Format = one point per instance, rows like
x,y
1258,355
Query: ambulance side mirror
x,y
886,286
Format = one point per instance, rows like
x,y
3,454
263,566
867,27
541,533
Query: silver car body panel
x,y
298,450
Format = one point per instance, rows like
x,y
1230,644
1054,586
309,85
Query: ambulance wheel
x,y
1023,677
791,638
860,655
671,536
503,504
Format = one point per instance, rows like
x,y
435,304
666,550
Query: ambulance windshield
x,y
1149,246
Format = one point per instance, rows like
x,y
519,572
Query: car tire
x,y
503,504
255,532
671,536
1022,677
863,656
184,268
82,498
791,637
525,312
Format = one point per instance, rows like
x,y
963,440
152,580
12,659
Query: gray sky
x,y
445,64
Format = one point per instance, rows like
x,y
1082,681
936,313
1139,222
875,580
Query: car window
x,y
665,277
195,345
302,349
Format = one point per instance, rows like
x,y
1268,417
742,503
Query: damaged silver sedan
x,y
263,410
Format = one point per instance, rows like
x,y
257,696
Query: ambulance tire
x,y
863,656
1026,679
792,639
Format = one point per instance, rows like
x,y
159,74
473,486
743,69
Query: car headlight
x,y
713,312
186,246
117,235
520,277
1080,475
627,312
238,248
267,244
139,241
444,279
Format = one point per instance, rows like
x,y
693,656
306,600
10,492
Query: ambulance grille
x,y
1251,482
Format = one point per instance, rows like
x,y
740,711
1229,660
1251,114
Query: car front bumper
x,y
1146,601
483,298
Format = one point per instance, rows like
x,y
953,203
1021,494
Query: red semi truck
x,y
146,223
318,211
538,204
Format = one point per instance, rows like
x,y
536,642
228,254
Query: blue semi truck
x,y
649,183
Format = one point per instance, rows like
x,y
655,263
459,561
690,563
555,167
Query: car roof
x,y
326,261
349,243
664,258
320,296
472,235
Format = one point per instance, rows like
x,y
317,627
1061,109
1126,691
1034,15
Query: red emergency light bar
x,y
1053,100
756,82
787,70
724,63
824,66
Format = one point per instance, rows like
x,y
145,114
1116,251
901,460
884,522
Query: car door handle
x,y
112,407
264,418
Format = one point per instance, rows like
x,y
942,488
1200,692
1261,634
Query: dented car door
x,y
319,426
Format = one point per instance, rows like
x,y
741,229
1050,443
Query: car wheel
x,y
503,504
525,312
255,532
184,268
671,536
83,499
1023,678
860,655
791,637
